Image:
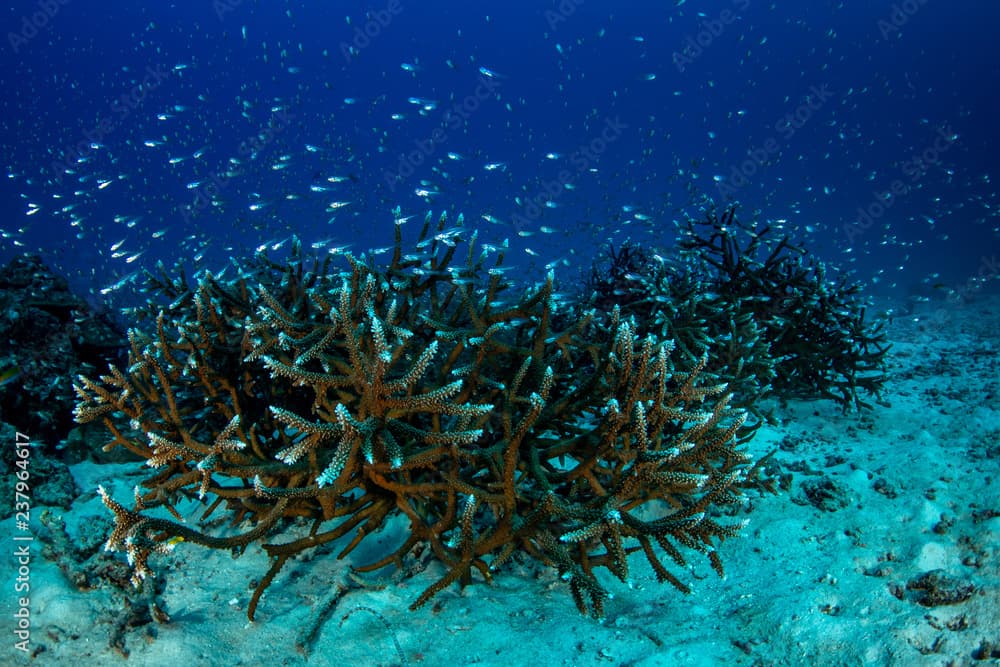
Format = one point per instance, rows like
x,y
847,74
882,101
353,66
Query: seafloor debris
x,y
823,493
937,587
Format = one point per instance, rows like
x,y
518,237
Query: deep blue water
x,y
120,121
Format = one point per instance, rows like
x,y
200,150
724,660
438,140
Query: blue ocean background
x,y
557,126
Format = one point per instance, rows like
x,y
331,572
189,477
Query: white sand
x,y
804,586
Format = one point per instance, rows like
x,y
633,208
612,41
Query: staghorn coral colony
x,y
769,322
494,421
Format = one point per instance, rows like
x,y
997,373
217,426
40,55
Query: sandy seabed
x,y
883,551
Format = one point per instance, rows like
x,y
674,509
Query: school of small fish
x,y
270,134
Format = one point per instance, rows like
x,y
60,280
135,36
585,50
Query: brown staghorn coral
x,y
420,390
